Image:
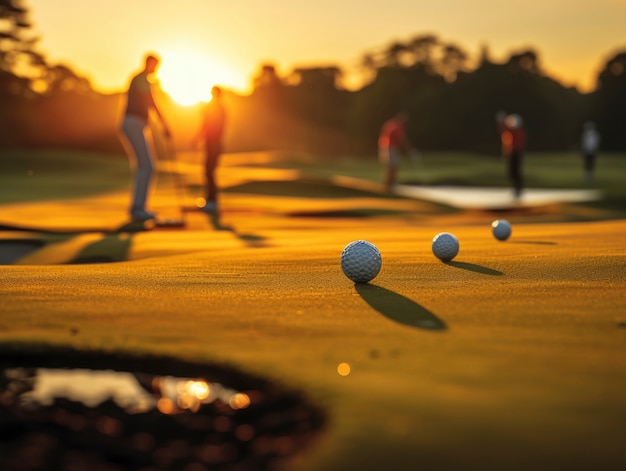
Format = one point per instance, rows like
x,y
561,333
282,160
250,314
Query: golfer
x,y
513,139
139,103
590,143
392,145
211,133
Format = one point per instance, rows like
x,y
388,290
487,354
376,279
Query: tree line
x,y
451,103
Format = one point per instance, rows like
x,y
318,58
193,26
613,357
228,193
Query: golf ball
x,y
501,229
361,261
445,246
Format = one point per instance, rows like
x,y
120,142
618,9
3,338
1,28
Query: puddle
x,y
69,410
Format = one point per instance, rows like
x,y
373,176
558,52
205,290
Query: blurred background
x,y
316,76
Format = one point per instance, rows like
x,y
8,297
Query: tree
x,y
16,44
267,78
453,60
527,60
325,78
609,103
62,79
421,48
395,55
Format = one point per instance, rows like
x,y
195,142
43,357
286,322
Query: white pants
x,y
140,156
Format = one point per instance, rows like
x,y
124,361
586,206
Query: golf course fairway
x,y
510,357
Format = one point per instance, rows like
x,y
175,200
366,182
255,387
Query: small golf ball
x,y
501,229
361,261
445,246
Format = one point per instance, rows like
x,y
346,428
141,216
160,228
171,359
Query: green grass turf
x,y
510,357
35,175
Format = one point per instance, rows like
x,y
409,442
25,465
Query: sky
x,y
206,42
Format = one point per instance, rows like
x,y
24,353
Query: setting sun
x,y
188,77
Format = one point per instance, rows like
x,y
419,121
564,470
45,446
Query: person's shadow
x,y
399,308
111,248
250,239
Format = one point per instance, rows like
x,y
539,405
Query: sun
x,y
187,77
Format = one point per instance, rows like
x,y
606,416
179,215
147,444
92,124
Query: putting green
x,y
512,356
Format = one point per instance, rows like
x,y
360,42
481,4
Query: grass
x,y
35,175
525,369
541,170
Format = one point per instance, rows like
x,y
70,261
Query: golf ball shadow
x,y
399,308
474,267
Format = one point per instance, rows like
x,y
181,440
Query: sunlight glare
x,y
187,77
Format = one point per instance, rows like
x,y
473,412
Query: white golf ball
x,y
361,261
445,246
501,229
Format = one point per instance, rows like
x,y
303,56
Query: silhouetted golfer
x,y
393,143
589,143
212,132
140,102
513,145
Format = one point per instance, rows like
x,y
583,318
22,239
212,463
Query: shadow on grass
x,y
12,250
346,213
110,249
399,308
251,240
533,242
475,268
305,187
59,249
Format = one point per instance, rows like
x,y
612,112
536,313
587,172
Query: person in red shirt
x,y
212,131
392,145
513,138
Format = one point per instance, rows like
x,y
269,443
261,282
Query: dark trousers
x,y
590,162
213,150
514,169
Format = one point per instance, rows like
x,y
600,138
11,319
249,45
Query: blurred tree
x,y
527,60
315,94
422,48
267,78
62,79
396,55
269,88
608,103
317,78
17,54
453,60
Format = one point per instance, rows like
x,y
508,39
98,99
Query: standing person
x,y
211,132
393,143
589,144
513,138
139,103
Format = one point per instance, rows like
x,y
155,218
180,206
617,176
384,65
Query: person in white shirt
x,y
589,144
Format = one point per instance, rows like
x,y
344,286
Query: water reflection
x,y
134,392
77,418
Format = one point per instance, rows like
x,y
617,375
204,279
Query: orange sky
x,y
225,42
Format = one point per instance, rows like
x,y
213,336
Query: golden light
x,y
188,76
166,406
198,389
343,369
239,401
